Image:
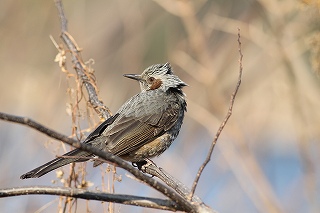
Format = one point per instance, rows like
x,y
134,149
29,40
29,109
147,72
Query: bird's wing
x,y
140,122
98,131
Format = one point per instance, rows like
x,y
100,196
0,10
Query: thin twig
x,y
92,195
222,125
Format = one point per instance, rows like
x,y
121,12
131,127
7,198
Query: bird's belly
x,y
149,150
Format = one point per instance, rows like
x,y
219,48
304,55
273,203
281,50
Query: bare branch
x,y
93,195
233,96
187,206
37,126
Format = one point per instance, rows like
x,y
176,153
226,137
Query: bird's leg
x,y
139,164
147,166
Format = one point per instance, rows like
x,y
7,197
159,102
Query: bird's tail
x,y
75,156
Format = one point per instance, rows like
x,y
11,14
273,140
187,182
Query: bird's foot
x,y
143,165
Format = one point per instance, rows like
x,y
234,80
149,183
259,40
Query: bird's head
x,y
158,76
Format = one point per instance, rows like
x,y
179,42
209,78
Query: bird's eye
x,y
151,79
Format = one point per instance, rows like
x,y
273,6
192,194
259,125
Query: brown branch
x,y
233,96
79,66
170,193
92,195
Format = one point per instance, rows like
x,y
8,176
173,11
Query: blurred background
x,y
267,157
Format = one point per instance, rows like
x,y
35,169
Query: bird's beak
x,y
133,76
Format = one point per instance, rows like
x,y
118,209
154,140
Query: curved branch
x,y
37,126
92,195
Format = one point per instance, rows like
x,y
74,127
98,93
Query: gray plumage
x,y
143,127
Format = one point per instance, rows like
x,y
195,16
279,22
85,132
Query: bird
x,y
143,127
